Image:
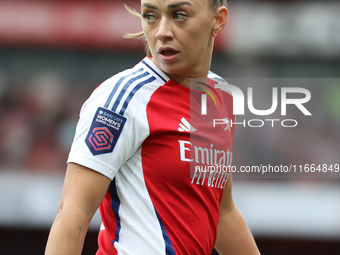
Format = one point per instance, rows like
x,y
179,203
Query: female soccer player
x,y
138,141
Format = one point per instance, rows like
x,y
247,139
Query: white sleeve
x,y
104,139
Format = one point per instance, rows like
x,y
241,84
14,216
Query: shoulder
x,y
128,88
220,83
215,77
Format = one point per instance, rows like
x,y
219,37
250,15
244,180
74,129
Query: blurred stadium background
x,y
54,53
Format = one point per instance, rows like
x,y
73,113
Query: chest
x,y
182,141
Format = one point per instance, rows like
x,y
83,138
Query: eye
x,y
180,16
149,17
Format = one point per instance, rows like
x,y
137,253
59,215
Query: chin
x,y
174,68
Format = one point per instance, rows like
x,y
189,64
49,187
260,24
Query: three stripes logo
x,y
185,126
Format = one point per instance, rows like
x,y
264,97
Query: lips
x,y
167,51
168,54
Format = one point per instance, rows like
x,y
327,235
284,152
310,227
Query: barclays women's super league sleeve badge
x,y
104,132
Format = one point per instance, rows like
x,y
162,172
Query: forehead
x,y
170,3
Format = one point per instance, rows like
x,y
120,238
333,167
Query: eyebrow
x,y
149,6
176,5
170,6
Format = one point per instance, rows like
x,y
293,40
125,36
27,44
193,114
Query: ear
x,y
221,21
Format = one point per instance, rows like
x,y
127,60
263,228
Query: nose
x,y
164,31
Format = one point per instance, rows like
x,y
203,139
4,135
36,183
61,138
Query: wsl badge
x,y
104,132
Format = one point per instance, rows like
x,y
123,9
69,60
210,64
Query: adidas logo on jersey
x,y
185,126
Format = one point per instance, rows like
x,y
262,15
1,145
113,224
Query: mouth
x,y
167,51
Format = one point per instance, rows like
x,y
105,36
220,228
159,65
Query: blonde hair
x,y
139,35
215,4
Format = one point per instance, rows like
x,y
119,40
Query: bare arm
x,y
233,234
83,191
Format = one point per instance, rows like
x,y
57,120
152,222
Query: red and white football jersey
x,y
147,133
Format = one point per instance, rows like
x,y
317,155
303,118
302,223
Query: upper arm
x,y
83,189
233,234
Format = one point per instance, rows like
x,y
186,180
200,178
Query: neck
x,y
198,72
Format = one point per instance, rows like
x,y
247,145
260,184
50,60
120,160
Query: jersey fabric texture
x,y
146,133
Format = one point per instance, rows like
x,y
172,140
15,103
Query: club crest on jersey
x,y
105,130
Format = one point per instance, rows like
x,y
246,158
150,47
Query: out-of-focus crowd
x,y
37,123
